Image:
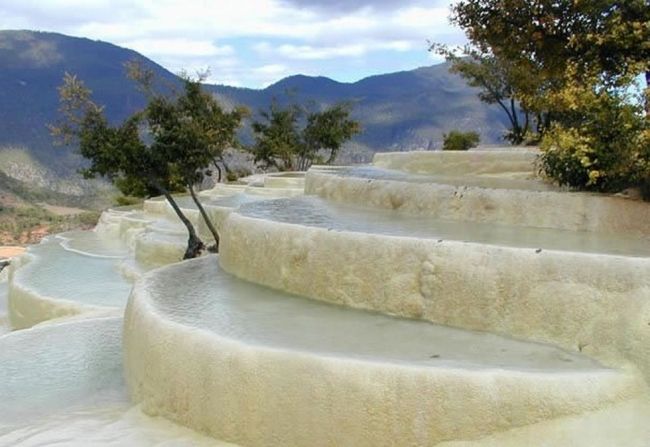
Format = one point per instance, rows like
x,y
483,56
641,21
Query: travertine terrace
x,y
451,299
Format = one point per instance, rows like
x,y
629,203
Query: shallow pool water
x,y
61,384
104,422
227,201
92,244
80,266
481,181
4,322
316,212
252,314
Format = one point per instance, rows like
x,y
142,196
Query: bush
x,y
601,145
460,141
234,174
122,200
643,163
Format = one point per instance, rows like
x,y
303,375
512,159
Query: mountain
x,y
398,111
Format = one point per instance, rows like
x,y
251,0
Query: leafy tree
x,y
193,131
327,131
281,141
460,141
277,138
581,57
602,143
541,37
163,149
497,81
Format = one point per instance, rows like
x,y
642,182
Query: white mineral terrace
x,y
234,351
524,181
61,384
67,275
447,299
494,187
316,212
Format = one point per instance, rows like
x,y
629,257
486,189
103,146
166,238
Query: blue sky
x,y
253,43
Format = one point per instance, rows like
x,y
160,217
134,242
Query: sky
x,y
253,43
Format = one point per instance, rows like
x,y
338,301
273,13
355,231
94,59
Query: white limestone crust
x,y
513,163
597,304
543,209
259,395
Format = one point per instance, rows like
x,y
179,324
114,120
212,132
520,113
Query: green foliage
x,y
327,131
460,141
578,57
234,174
643,163
600,145
281,142
123,200
277,138
600,36
545,44
498,82
191,131
165,148
88,218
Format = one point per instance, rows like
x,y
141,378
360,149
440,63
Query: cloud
x,y
175,46
238,39
308,52
338,6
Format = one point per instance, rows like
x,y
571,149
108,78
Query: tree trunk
x,y
515,131
207,220
332,157
225,165
647,93
526,122
216,165
194,244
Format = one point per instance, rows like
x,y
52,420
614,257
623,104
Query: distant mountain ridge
x,y
398,111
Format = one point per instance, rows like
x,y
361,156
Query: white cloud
x,y
294,34
308,52
271,69
176,46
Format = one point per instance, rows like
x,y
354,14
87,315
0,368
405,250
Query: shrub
x,y
234,174
643,163
88,218
123,200
460,141
599,146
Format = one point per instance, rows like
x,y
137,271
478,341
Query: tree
x,y
281,142
498,82
602,142
162,149
327,131
542,37
581,58
460,141
277,138
193,130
